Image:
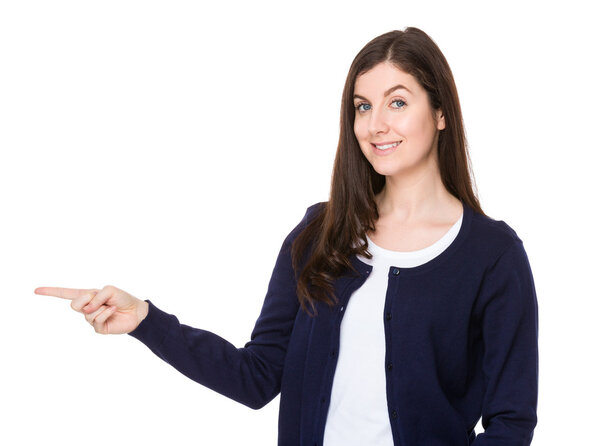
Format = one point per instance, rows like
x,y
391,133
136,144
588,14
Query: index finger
x,y
64,293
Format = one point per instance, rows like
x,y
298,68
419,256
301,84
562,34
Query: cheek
x,y
415,127
359,129
361,133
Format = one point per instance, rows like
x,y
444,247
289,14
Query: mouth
x,y
386,147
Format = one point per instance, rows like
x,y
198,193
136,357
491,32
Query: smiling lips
x,y
385,148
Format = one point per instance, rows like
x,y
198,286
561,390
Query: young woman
x,y
398,313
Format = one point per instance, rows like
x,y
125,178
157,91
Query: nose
x,y
378,122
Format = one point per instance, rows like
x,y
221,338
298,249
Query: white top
x,y
358,411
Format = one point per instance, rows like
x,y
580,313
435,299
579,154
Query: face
x,y
395,126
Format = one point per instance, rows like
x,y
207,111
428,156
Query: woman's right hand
x,y
109,310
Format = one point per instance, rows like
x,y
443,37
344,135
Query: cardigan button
x,y
395,271
390,366
388,316
394,414
332,354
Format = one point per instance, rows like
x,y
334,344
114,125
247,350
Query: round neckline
x,y
390,253
437,260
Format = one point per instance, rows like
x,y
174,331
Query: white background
x,y
167,148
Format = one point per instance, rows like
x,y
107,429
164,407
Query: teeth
x,y
387,146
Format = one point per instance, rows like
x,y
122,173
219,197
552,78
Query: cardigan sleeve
x,y
509,323
250,375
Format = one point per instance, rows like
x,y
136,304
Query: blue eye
x,y
400,102
360,106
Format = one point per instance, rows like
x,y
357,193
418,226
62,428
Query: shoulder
x,y
310,214
499,254
489,238
314,209
492,230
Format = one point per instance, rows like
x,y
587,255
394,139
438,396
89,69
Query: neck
x,y
417,198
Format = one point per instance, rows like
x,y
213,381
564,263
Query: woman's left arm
x,y
509,316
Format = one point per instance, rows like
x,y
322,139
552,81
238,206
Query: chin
x,y
386,170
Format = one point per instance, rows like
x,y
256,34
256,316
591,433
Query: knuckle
x,y
93,298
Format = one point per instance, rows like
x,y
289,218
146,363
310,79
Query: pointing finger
x,y
64,293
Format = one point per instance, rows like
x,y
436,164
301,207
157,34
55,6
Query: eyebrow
x,y
387,92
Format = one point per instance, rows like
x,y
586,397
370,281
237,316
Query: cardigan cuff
x,y
154,328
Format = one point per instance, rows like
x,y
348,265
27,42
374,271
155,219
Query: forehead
x,y
383,76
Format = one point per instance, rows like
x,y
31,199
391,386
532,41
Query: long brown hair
x,y
338,231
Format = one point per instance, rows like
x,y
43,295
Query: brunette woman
x,y
398,313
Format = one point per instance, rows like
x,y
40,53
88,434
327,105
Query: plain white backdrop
x,y
167,148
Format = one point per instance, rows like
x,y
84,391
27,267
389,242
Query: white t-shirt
x,y
358,411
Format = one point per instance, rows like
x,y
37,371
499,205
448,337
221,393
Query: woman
x,y
398,313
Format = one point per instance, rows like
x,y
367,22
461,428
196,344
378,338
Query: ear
x,y
441,122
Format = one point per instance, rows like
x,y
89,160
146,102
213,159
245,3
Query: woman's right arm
x,y
250,375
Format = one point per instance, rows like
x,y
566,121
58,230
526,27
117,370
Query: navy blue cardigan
x,y
461,342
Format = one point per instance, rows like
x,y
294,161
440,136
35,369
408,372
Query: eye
x,y
362,107
400,103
